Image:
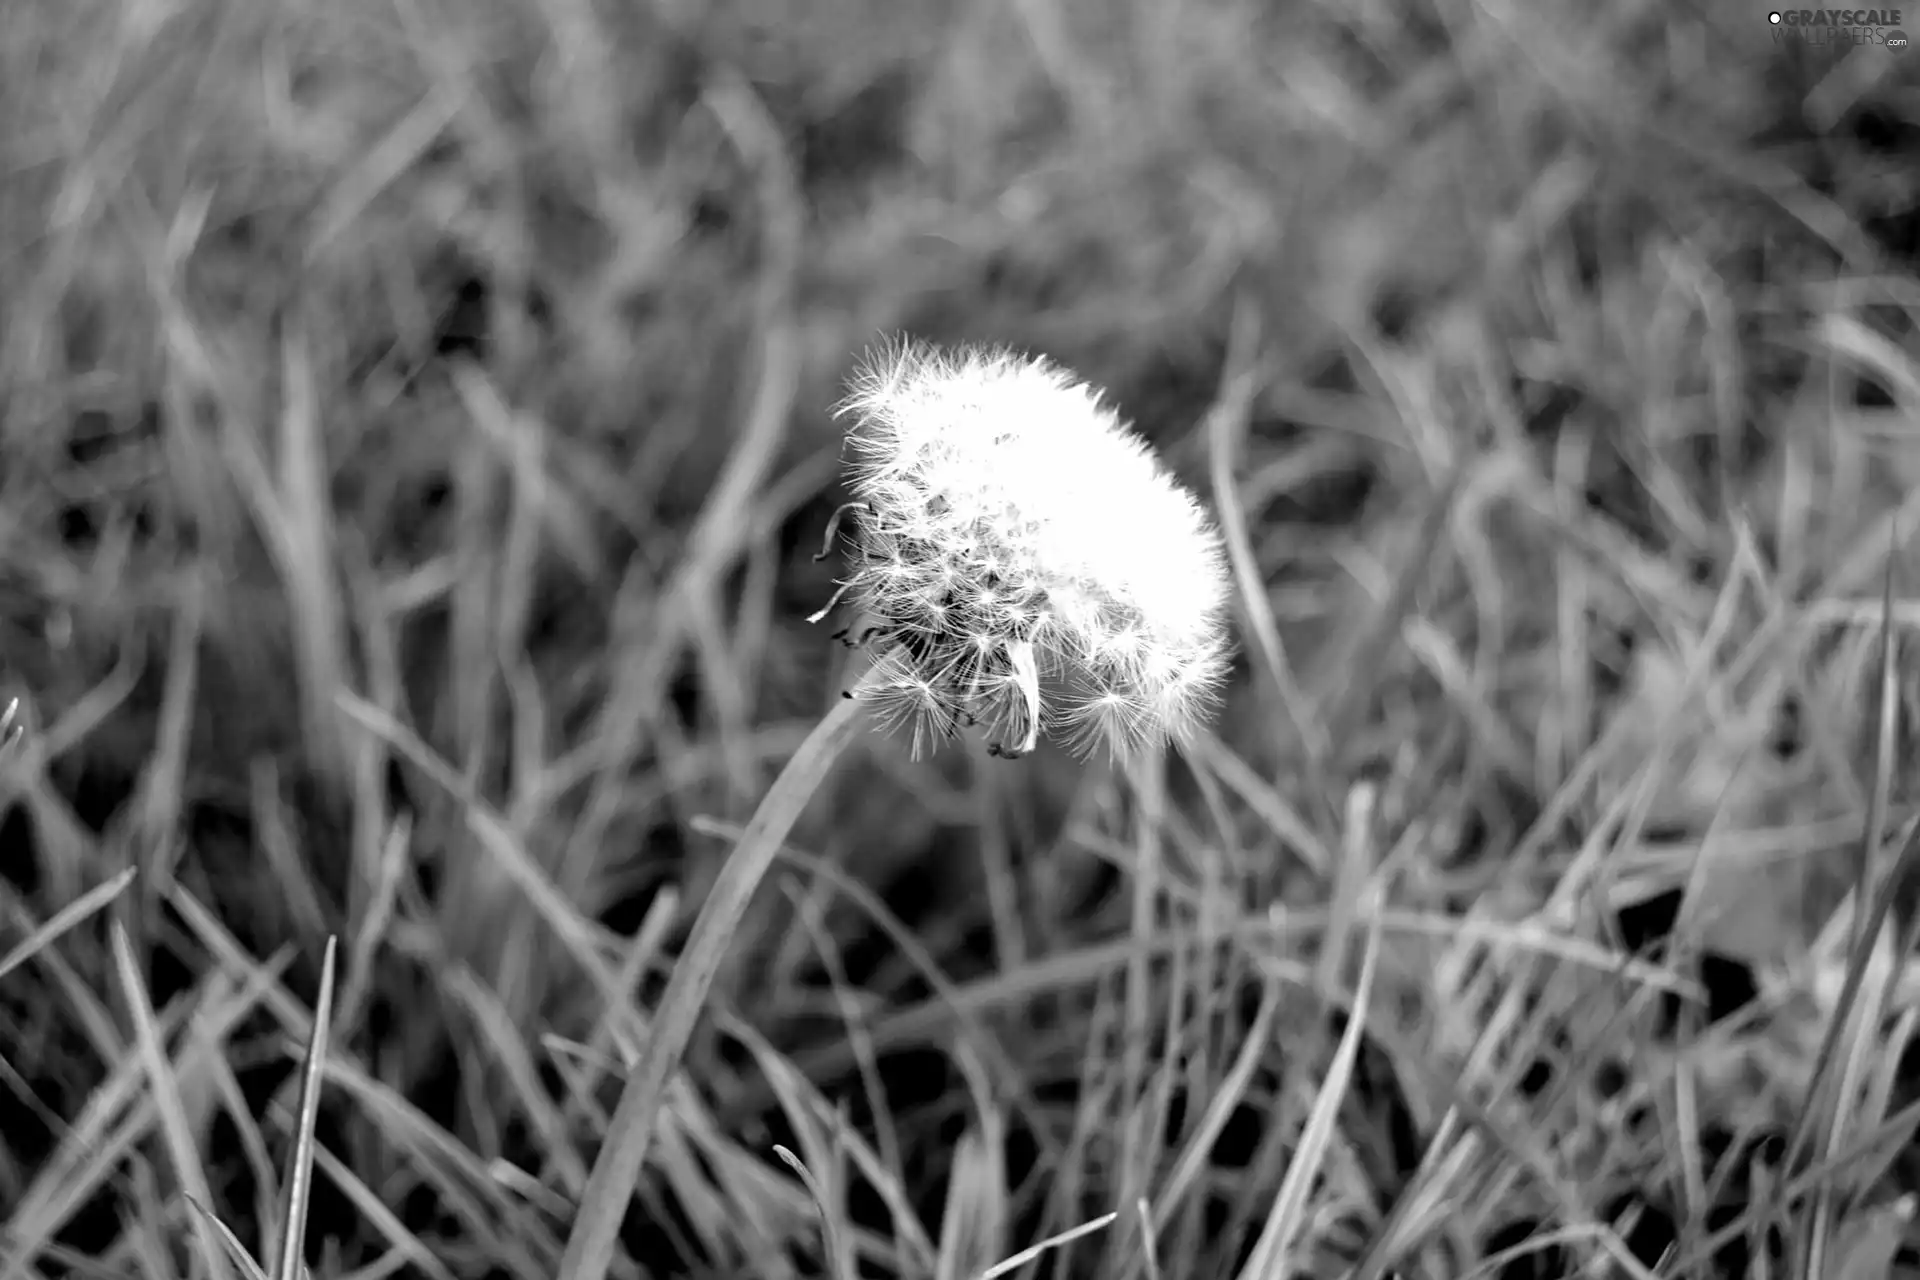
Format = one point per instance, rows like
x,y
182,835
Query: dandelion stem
x,y
609,1188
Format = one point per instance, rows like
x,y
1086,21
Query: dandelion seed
x,y
1052,576
1108,714
907,700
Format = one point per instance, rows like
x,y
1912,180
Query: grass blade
x,y
1290,1205
175,1127
65,919
11,730
236,1252
293,1218
1025,1256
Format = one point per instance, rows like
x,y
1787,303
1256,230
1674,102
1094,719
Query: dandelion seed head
x,y
1054,576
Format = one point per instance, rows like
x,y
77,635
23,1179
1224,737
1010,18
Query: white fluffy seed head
x,y
1026,561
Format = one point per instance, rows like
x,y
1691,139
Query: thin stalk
x,y
603,1205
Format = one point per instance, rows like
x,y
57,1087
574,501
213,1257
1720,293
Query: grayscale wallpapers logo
x,y
1838,28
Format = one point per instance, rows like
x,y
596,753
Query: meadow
x,y
416,450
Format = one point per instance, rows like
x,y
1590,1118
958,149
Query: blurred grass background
x,y
416,442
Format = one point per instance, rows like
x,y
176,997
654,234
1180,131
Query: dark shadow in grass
x,y
1500,813
463,328
1379,1123
858,137
1651,1232
657,1229
1646,1221
1730,984
93,1228
927,1105
1331,500
1646,1226
1548,1262
1881,134
95,436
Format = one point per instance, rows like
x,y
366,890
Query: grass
x,y
415,448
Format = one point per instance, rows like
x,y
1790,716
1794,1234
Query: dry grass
x,y
415,447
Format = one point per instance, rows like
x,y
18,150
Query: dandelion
x,y
1024,560
1020,561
